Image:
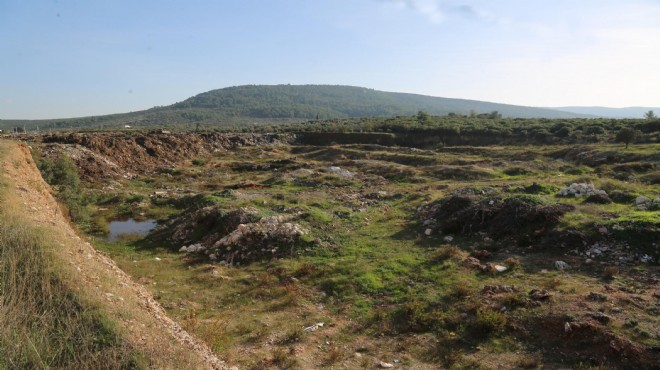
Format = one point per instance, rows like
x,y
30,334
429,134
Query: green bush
x,y
61,174
489,321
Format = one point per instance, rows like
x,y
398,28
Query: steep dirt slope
x,y
96,278
120,155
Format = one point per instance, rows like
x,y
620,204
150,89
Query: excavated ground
x,y
123,155
96,277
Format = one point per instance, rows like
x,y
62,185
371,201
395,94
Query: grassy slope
x,y
64,305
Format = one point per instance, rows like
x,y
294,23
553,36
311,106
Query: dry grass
x,y
43,323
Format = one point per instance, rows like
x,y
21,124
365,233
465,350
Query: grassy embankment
x,y
43,322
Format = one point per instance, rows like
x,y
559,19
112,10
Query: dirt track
x,y
140,319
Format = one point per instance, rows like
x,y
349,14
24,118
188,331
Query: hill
x,y
308,101
259,104
627,112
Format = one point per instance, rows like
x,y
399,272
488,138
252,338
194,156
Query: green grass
x,y
371,264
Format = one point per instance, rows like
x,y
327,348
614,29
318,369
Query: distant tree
x,y
494,115
650,115
626,135
423,117
472,113
563,132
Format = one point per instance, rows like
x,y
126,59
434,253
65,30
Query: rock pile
x,y
269,237
234,237
340,172
647,204
519,218
580,190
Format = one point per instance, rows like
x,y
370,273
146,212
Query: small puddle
x,y
130,226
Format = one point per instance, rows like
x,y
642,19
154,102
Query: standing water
x,y
130,226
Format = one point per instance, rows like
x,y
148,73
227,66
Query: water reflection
x,y
130,226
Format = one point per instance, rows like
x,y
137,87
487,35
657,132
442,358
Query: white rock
x,y
561,265
428,232
500,268
448,238
386,365
602,230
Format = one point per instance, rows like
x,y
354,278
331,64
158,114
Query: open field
x,y
419,258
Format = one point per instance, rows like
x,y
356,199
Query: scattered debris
x,y
579,190
500,268
314,327
340,172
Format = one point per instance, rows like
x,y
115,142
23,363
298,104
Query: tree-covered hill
x,y
326,101
257,104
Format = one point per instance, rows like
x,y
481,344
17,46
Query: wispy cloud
x,y
438,11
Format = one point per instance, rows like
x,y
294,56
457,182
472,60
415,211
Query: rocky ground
x,y
464,257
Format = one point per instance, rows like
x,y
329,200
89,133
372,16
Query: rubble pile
x,y
269,237
580,190
512,218
340,172
647,204
234,237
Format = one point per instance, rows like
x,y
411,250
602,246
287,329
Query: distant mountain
x,y
329,101
628,112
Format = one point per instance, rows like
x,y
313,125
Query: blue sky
x,y
65,58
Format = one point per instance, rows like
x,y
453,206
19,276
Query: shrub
x,y
61,173
517,171
489,321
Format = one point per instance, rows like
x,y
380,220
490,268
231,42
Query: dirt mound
x,y
590,342
234,237
123,154
597,157
520,217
